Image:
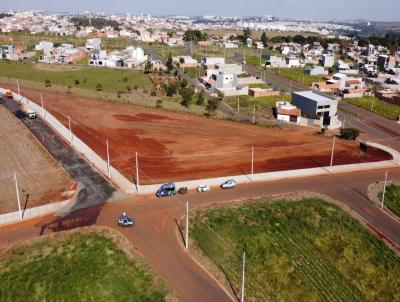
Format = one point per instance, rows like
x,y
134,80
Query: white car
x,y
203,188
229,184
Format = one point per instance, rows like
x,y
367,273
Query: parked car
x,y
229,184
165,193
183,190
203,188
125,221
168,187
166,190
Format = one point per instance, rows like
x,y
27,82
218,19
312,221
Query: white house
x,y
93,44
287,112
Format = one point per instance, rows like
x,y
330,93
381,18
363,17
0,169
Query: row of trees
x,y
195,35
96,22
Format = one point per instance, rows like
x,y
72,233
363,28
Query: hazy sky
x,y
315,9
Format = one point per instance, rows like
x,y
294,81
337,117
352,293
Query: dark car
x,y
125,221
168,187
183,190
19,114
165,193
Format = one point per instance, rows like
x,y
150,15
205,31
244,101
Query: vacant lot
x,y
174,146
263,105
41,180
79,266
306,250
377,106
111,80
297,74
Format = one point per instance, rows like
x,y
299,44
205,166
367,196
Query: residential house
x,y
316,71
317,109
287,112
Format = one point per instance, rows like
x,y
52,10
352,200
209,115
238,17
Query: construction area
x,y
175,147
41,180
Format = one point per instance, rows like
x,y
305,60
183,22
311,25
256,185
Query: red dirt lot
x,y
174,146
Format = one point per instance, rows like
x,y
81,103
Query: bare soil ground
x,y
174,146
41,180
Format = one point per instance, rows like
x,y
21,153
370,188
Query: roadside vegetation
x,y
306,250
392,199
377,106
81,267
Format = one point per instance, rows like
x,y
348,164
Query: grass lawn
x,y
193,72
387,110
297,74
392,199
307,250
264,105
82,267
112,80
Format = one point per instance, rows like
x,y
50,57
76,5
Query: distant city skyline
x,y
382,10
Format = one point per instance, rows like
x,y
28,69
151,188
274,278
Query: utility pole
x,y
70,129
187,226
17,191
384,189
333,150
137,173
254,112
18,87
238,104
252,160
243,270
108,161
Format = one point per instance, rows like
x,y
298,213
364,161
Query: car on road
x,y
125,221
229,184
165,193
203,188
166,190
183,190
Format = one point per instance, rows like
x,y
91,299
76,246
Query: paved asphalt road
x,y
155,234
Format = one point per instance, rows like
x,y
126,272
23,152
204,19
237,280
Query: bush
x,y
77,82
99,87
119,93
47,83
349,133
159,104
153,93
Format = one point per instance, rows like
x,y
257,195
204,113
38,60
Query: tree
x,y
159,104
349,133
187,94
264,39
183,83
200,98
182,60
169,64
212,106
170,89
148,67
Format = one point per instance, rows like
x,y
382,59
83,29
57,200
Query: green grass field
x,y
297,74
392,199
389,111
83,267
306,250
111,80
264,105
